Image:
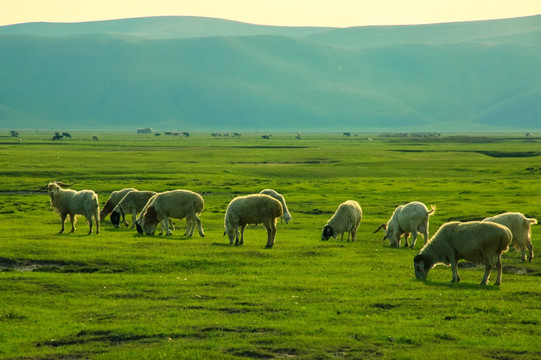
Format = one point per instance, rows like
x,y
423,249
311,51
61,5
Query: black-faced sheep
x,y
520,226
176,204
347,218
252,209
70,202
476,241
407,219
132,203
287,216
113,200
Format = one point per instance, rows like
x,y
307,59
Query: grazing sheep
x,y
347,218
177,204
113,200
520,226
252,209
133,202
476,241
280,198
70,202
409,218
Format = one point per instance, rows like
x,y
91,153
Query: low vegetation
x,y
122,295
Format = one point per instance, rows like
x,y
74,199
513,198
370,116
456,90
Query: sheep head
x,y
139,227
422,265
327,233
115,219
150,221
393,234
231,233
54,190
286,217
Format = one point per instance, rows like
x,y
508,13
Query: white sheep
x,y
476,241
252,209
113,200
70,202
520,226
287,216
132,203
347,218
176,204
407,219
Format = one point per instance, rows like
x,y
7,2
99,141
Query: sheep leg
x,y
413,240
133,217
499,269
406,236
62,220
530,250
488,269
72,221
188,226
454,269
165,224
96,218
425,233
271,234
354,235
242,228
199,225
89,220
124,219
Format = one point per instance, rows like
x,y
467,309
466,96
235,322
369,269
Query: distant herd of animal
x,y
475,241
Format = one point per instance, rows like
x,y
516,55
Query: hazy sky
x,y
337,13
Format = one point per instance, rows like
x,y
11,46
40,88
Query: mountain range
x,y
189,74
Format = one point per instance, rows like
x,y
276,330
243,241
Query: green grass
x,y
122,295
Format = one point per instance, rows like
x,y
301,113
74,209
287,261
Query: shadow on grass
x,y
460,285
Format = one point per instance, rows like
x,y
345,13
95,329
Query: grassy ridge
x,y
122,295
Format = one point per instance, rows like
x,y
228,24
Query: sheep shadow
x,y
222,244
460,285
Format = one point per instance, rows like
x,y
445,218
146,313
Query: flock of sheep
x,y
476,241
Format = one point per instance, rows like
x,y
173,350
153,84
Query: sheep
x,y
113,200
406,219
133,202
252,209
347,218
70,202
287,216
520,226
176,204
476,241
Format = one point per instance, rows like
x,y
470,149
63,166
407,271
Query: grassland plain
x,y
122,295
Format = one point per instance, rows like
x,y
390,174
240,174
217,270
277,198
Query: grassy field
x,y
123,295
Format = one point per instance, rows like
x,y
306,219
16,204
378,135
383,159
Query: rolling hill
x,y
184,73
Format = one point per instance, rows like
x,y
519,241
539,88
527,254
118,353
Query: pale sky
x,y
335,13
